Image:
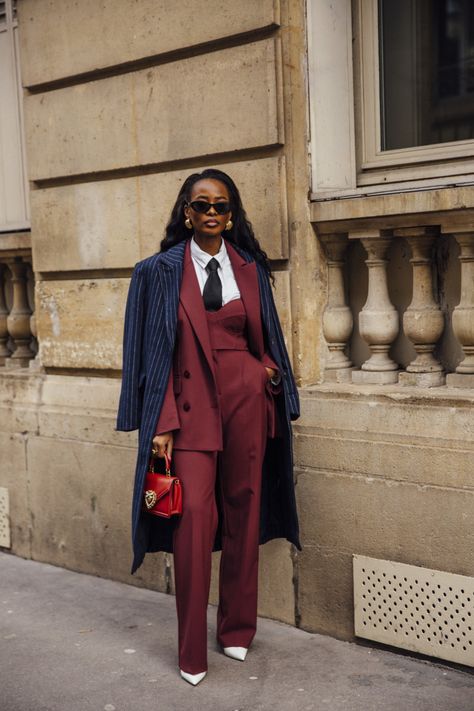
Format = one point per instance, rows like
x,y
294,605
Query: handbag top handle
x,y
167,464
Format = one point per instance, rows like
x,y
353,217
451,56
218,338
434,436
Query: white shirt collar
x,y
202,257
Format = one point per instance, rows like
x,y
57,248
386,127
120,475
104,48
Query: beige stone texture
x,y
398,209
276,590
14,244
282,298
73,509
276,596
14,477
343,514
423,463
374,377
114,223
80,499
20,395
381,474
114,33
325,596
436,414
307,268
460,380
144,117
77,416
424,380
80,322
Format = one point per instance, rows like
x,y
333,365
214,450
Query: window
x,y
13,186
415,88
391,85
426,51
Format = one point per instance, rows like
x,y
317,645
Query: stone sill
x,y
405,394
11,243
391,210
15,244
20,372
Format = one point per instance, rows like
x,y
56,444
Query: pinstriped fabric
x,y
277,343
148,342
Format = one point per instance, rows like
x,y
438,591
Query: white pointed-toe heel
x,y
193,678
236,652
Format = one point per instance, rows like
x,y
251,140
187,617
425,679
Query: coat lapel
x,y
191,299
247,280
179,282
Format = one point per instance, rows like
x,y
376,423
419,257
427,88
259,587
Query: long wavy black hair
x,y
241,233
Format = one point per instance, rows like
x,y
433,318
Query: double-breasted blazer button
x,y
186,406
187,374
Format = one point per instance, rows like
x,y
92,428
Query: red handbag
x,y
163,494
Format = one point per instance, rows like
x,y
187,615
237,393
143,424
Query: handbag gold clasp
x,y
150,498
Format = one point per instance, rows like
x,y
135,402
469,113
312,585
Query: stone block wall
x,y
117,115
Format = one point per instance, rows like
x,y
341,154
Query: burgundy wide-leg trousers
x,y
241,380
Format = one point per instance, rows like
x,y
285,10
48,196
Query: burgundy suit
x,y
219,405
192,398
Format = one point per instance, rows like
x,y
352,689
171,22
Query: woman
x,y
206,379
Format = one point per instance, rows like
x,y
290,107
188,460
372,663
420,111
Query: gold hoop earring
x,y
188,223
229,225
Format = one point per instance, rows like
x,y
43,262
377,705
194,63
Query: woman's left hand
x,y
271,372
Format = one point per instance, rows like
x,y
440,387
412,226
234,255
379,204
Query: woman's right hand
x,y
163,443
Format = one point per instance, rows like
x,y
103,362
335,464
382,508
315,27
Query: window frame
x,y
344,113
9,28
368,114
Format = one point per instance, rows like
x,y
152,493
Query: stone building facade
x,y
373,257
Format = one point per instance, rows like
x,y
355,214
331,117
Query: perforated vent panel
x,y
423,610
4,519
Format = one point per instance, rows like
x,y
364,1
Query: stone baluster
x,y
18,320
423,321
378,320
337,317
463,314
4,352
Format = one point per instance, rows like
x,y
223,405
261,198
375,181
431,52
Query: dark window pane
x,y
426,71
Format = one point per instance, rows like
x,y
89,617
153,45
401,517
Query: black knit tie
x,y
212,293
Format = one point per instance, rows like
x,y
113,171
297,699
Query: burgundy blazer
x,y
191,408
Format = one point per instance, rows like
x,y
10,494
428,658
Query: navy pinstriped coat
x,y
149,335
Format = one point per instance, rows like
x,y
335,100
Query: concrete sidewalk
x,y
73,642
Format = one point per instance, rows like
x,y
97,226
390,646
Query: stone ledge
x,y
410,394
15,244
391,210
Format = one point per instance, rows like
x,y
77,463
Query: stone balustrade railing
x,y
379,322
17,322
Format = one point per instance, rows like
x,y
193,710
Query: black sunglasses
x,y
203,206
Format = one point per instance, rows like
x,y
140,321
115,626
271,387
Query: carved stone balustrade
x,y
337,317
15,314
378,320
423,321
463,314
4,351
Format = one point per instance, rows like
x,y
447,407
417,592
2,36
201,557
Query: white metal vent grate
x,y
4,518
423,610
